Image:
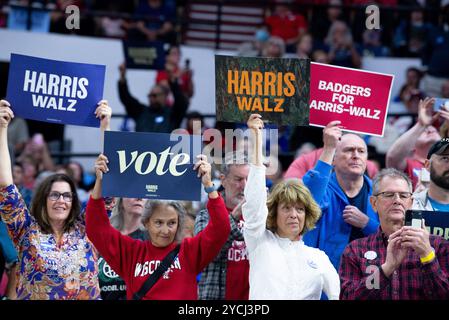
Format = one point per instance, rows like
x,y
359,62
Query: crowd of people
x,y
310,238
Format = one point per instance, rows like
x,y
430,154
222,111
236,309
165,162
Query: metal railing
x,y
308,9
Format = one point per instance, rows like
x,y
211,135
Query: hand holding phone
x,y
413,218
441,104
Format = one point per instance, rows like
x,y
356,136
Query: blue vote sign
x,y
151,166
55,91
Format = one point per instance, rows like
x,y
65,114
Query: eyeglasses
x,y
390,195
55,195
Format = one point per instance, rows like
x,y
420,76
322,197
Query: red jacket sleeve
x,y
205,246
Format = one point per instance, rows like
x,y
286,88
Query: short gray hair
x,y
330,34
277,41
117,218
152,205
233,158
392,173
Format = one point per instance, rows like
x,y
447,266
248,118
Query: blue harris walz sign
x,y
55,91
151,166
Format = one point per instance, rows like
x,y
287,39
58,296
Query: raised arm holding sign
x,y
341,188
6,115
277,219
53,222
409,152
135,260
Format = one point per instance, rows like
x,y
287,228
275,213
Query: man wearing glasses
x,y
436,197
398,262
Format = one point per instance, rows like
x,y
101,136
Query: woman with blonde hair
x,y
281,265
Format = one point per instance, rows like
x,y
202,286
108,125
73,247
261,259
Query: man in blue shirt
x,y
340,186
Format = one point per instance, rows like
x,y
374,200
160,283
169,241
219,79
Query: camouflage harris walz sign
x,y
278,89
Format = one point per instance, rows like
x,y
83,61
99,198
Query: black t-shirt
x,y
359,201
111,285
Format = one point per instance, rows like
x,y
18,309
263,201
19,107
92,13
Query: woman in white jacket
x,y
281,265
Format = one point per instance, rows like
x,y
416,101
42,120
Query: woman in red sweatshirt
x,y
135,260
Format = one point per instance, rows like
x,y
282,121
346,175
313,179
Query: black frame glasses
x,y
55,195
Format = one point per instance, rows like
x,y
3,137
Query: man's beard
x,y
442,180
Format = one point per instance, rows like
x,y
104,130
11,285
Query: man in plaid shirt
x,y
398,262
226,278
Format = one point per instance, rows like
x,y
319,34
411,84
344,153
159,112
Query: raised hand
x,y
104,113
443,112
255,122
6,114
101,166
332,134
425,111
204,170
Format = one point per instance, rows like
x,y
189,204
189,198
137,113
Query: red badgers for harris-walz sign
x,y
358,98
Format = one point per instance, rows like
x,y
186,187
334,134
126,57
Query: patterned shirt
x,y
47,269
362,277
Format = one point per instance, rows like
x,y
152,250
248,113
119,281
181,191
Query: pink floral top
x,y
48,270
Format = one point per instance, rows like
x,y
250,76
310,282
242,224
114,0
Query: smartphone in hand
x,y
441,104
413,218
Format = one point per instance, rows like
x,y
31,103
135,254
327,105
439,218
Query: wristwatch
x,y
210,189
